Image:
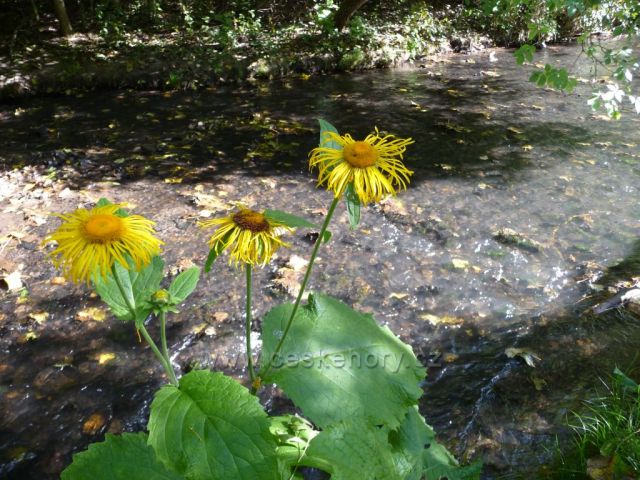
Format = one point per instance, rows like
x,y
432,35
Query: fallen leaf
x,y
96,314
459,263
27,337
220,316
399,296
39,317
94,424
445,320
105,358
200,328
527,355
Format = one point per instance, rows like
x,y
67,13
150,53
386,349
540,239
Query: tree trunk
x,y
63,18
346,11
34,8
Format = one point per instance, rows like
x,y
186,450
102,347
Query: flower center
x,y
360,154
100,228
252,221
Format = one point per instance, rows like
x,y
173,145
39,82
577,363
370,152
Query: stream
x,y
495,158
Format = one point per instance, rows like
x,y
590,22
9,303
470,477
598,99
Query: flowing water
x,y
521,200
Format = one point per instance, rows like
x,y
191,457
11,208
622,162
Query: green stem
x,y
252,373
303,286
165,350
165,363
167,366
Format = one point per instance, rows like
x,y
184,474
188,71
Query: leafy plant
x,y
354,380
616,62
607,431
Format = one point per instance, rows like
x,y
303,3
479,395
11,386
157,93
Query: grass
x,y
607,435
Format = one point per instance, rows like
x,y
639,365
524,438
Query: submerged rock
x,y
507,236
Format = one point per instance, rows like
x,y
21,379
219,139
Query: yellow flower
x,y
374,165
89,241
251,237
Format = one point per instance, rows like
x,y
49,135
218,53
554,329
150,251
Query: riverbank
x,y
244,50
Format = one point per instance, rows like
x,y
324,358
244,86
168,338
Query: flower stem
x,y
165,350
252,373
164,361
303,286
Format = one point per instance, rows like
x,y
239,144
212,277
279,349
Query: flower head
x,y
374,165
251,237
89,241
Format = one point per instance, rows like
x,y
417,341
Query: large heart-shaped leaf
x,y
337,364
121,457
211,427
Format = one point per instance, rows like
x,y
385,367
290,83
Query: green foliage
x,y
138,286
354,379
293,221
293,434
104,202
353,205
121,457
214,253
417,453
524,53
552,77
183,285
337,356
608,427
211,427
354,449
325,140
616,62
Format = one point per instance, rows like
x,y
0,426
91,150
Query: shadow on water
x,y
269,130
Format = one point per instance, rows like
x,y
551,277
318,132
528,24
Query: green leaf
x,y
626,382
416,453
351,450
294,221
440,464
524,53
353,205
288,219
337,363
138,288
121,457
212,428
327,127
293,434
103,202
213,254
184,284
408,444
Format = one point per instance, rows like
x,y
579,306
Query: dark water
x,y
492,152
